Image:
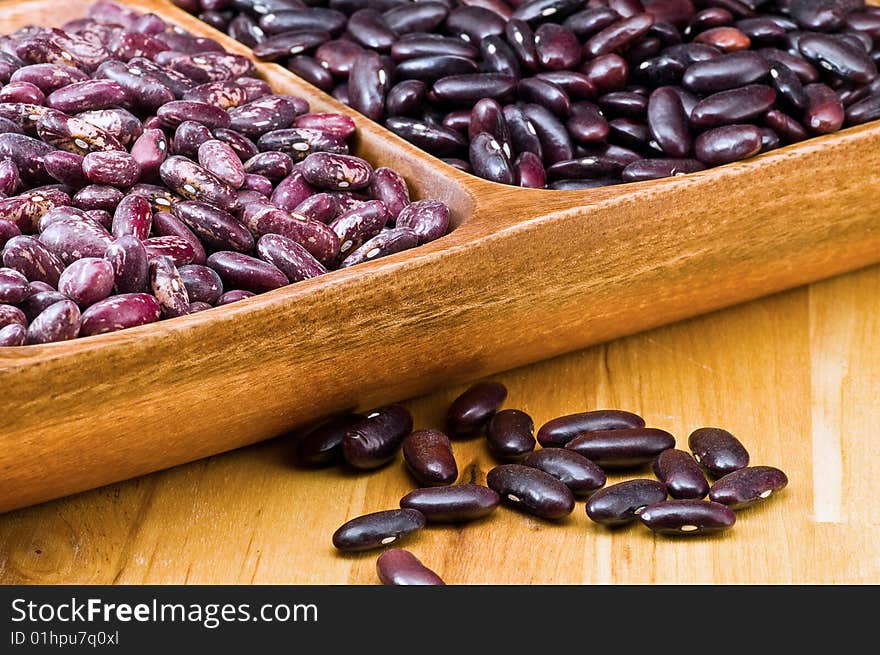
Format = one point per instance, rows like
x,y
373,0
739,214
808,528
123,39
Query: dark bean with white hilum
x,y
471,411
531,490
377,529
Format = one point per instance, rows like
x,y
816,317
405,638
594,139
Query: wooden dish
x,y
525,275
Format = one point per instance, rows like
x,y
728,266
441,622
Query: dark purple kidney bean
x,y
668,123
218,230
435,139
584,167
576,472
625,104
473,24
718,451
472,409
531,490
193,182
128,258
58,322
788,85
432,68
805,71
429,459
289,257
687,517
72,239
842,59
545,93
709,18
787,128
456,503
396,566
27,155
681,474
825,112
769,139
165,224
511,435
10,315
864,110
576,85
202,283
417,17
523,136
385,243
622,448
112,168
167,287
733,106
467,89
34,260
87,280
747,486
522,41
559,431
13,286
374,441
245,272
652,169
726,39
555,141
763,31
13,335
498,57
377,529
619,35
232,296
272,165
727,144
322,446
367,27
488,116
621,503
529,171
557,47
818,15
368,83
310,70
725,72
587,124
179,250
424,45
406,98
489,161
590,21
660,70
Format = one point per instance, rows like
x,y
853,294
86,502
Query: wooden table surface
x,y
796,376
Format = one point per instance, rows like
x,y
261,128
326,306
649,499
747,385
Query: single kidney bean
x,y
529,171
27,155
626,104
374,441
165,224
299,142
120,123
149,151
233,296
220,159
377,529
521,40
675,517
368,83
864,110
555,141
575,471
8,230
9,177
59,213
178,249
259,184
25,211
718,451
622,448
787,128
289,257
563,429
133,216
75,134
652,169
188,136
87,280
788,85
730,143
421,45
825,112
406,98
457,503
202,283
557,47
390,188
243,146
617,36
48,77
726,39
120,312
668,122
12,315
387,242
511,435
400,567
438,140
430,69
97,196
621,503
747,486
428,218
246,272
66,167
13,286
733,106
357,226
498,57
842,59
167,287
337,56
35,261
467,89
319,239
472,410
531,490
272,165
112,168
195,183
72,239
681,474
128,258
58,322
266,114
321,207
322,446
147,92
219,230
489,160
13,335
22,92
335,172
429,459
805,71
87,95
34,304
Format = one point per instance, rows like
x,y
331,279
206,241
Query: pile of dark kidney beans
x,y
571,94
576,451
146,173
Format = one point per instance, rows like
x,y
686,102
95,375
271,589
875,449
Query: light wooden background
x,y
795,376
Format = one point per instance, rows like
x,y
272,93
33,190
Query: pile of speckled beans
x,y
573,94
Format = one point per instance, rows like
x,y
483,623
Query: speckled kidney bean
x,y
428,218
687,517
718,451
66,167
167,287
265,115
579,474
561,430
681,474
387,242
97,196
531,490
318,239
389,187
22,92
335,172
180,250
622,448
13,335
218,229
188,137
400,567
245,272
289,257
621,503
9,177
456,503
429,459
166,224
112,168
337,125
233,296
128,258
510,435
195,183
72,239
24,211
27,154
118,122
299,142
48,77
324,207
87,95
272,165
133,216
10,315
224,94
75,134
13,286
87,280
120,312
730,143
375,441
747,486
259,184
149,151
359,225
243,146
143,89
473,408
377,529
35,261
8,230
58,322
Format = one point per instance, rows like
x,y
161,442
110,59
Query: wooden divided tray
x,y
524,275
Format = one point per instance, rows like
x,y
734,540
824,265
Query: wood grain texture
x,y
524,276
795,376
